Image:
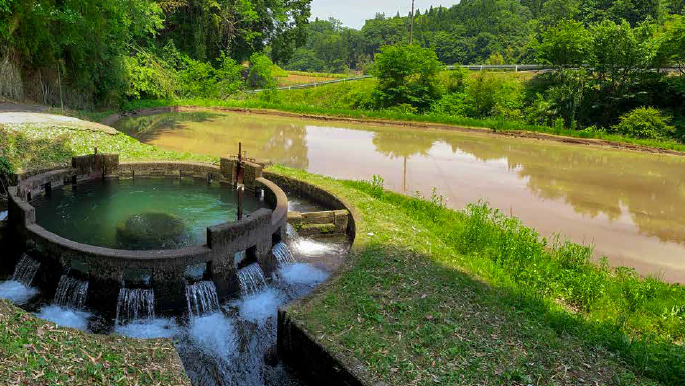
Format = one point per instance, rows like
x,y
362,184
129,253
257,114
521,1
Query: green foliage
x,y
6,169
229,77
495,58
492,95
406,75
452,104
645,123
566,44
197,78
670,44
148,77
261,72
82,42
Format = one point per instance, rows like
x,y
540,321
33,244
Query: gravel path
x,y
17,118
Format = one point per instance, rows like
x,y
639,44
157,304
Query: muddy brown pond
x,y
630,205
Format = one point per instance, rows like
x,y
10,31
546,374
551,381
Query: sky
x,y
353,13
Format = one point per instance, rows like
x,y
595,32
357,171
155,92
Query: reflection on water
x,y
631,205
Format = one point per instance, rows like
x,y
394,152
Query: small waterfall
x,y
71,293
202,298
283,254
291,232
25,270
239,257
135,304
251,279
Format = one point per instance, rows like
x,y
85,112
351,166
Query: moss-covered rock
x,y
152,230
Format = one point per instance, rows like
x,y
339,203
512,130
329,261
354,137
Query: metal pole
x,y
240,203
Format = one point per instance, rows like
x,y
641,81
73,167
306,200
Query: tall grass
x,y
643,319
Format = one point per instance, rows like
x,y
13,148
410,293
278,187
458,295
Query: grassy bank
x,y
337,100
436,296
36,352
473,297
27,147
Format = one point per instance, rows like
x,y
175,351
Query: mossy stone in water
x,y
153,230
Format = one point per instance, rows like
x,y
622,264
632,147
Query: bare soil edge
x,y
112,119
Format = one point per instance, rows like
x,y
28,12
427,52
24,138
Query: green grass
x,y
342,100
37,352
28,148
432,296
437,296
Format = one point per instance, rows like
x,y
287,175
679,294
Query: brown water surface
x,y
631,205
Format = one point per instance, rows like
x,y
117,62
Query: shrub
x,y
261,72
407,75
229,77
540,111
645,123
5,170
148,77
492,95
450,104
198,79
455,81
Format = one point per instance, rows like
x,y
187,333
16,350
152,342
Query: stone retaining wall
x,y
319,223
317,195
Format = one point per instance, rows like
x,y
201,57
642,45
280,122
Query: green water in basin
x,y
140,214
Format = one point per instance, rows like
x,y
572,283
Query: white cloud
x,y
353,13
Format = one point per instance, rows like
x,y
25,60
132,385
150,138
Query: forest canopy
x,y
106,50
470,32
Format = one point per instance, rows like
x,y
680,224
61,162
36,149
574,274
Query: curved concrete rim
x,y
278,214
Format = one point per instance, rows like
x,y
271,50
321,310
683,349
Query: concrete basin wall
x,y
107,269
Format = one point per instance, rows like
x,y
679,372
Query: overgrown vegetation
x,y
85,52
443,296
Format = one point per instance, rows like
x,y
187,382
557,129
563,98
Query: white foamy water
x,y
309,247
258,308
215,335
301,273
156,328
65,317
16,292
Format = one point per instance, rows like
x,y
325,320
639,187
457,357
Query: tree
x,y
555,11
406,75
260,75
670,43
566,44
617,53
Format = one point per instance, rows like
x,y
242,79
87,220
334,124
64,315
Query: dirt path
x,y
21,114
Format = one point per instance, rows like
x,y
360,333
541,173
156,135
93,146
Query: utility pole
x,y
411,25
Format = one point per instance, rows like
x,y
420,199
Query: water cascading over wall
x,y
283,254
202,298
135,304
25,270
71,293
251,279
